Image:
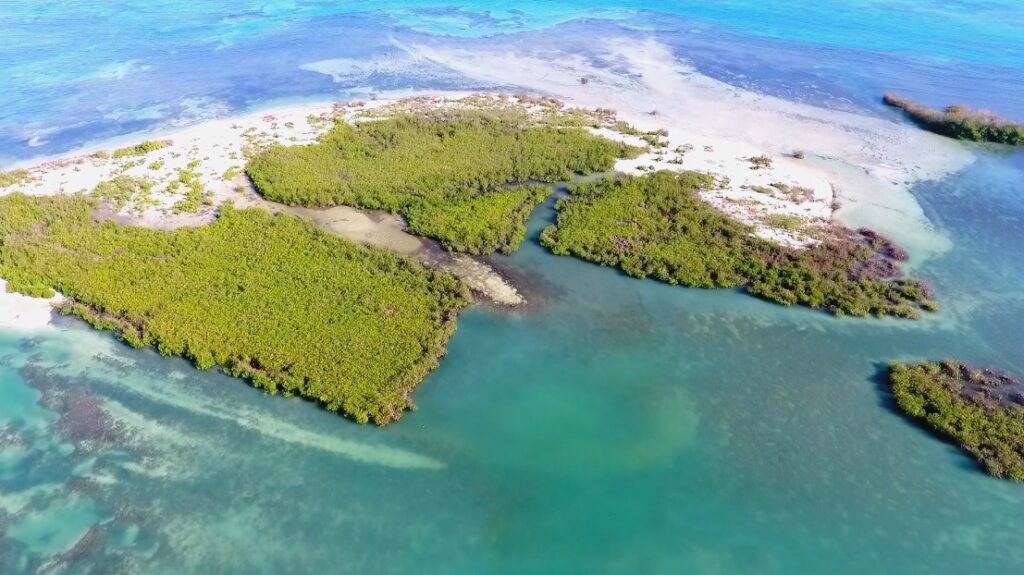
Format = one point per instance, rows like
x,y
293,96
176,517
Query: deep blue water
x,y
620,427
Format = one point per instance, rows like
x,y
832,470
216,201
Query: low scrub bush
x,y
14,177
126,192
140,149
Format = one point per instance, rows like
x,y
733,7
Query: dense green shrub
x,y
657,226
961,122
141,149
478,223
980,410
270,298
435,169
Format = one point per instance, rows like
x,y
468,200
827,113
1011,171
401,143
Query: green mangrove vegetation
x,y
657,226
457,176
478,224
960,122
271,299
980,410
140,149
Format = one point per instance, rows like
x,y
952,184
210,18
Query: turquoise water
x,y
156,64
619,426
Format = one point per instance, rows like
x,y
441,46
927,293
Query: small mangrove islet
x,y
981,410
960,122
271,299
460,177
657,226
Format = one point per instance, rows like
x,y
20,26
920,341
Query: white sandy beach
x,y
21,313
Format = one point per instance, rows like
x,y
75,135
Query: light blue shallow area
x,y
944,29
619,426
85,71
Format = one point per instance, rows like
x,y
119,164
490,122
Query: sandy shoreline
x,y
23,314
855,169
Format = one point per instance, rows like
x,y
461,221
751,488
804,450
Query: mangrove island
x,y
460,177
960,122
981,410
153,248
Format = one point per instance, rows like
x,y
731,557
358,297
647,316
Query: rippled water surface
x,y
619,426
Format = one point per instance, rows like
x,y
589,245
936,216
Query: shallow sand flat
x,y
379,229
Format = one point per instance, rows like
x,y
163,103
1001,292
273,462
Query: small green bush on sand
x,y
14,177
126,191
786,222
140,149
